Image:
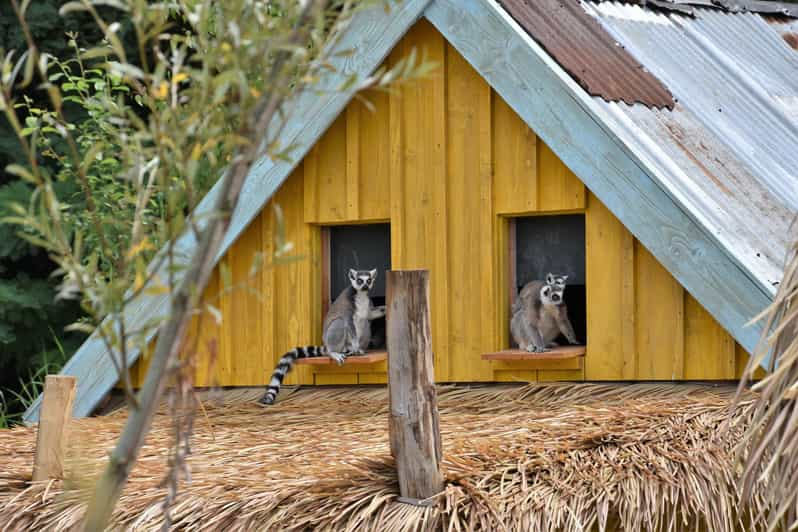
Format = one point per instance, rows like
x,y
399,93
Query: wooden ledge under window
x,y
554,353
564,357
371,357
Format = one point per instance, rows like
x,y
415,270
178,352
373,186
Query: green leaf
x,y
71,7
22,173
80,326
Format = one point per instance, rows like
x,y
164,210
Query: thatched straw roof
x,y
536,457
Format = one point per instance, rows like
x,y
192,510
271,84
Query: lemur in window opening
x,y
540,315
346,329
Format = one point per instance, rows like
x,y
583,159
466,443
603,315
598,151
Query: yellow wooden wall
x,y
446,162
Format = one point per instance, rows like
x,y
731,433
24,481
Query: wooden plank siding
x,y
447,162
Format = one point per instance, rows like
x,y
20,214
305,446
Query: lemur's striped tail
x,y
285,365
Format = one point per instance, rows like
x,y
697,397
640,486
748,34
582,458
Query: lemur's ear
x,y
564,278
549,278
352,274
373,274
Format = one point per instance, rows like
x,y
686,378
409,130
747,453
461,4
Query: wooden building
x,y
498,167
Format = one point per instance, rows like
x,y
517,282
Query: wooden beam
x,y
413,424
51,438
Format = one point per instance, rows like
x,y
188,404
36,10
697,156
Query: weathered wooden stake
x,y
414,425
51,438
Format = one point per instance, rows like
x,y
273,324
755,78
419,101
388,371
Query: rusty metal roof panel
x,y
728,151
587,52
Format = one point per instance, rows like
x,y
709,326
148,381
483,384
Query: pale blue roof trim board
x,y
373,34
659,190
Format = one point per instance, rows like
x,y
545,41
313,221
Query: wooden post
x,y
413,425
56,412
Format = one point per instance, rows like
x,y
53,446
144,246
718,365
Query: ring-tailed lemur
x,y
346,329
540,315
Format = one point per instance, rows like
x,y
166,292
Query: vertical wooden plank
x,y
207,333
313,274
418,182
659,320
372,378
326,170
139,368
242,309
53,430
375,154
511,249
561,375
296,287
335,378
225,370
515,375
708,348
628,311
514,161
741,360
504,278
325,271
414,426
396,167
470,230
608,279
558,188
310,175
268,286
353,176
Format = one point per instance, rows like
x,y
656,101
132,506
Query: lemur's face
x,y
552,295
362,279
553,291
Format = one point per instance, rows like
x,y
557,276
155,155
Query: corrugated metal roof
x,y
728,151
587,52
734,6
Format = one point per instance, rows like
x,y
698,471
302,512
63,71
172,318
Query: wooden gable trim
x,y
374,33
581,134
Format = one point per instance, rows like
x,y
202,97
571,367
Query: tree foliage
x,y
32,322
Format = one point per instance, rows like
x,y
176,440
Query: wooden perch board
x,y
556,353
371,357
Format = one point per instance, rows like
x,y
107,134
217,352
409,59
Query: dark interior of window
x,y
554,244
362,247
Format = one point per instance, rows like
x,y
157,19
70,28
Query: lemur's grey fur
x,y
346,329
540,315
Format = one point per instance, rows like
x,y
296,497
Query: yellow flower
x,y
180,76
161,91
143,244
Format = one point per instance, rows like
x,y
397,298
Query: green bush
x,y
32,335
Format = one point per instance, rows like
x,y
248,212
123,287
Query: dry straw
x,y
533,457
772,436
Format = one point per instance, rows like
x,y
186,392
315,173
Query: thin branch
x,y
170,338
